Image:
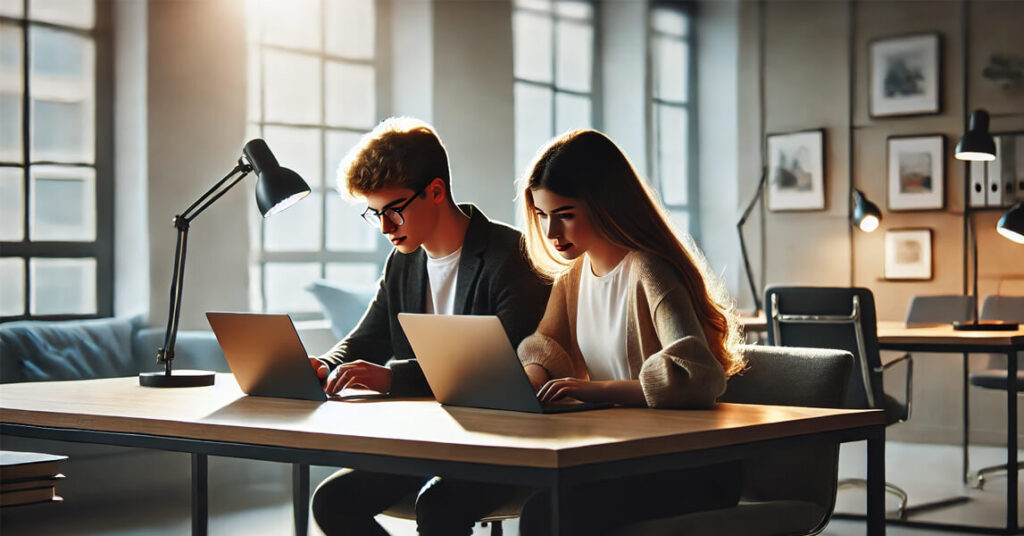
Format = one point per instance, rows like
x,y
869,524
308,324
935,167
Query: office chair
x,y
946,309
790,491
1010,308
841,318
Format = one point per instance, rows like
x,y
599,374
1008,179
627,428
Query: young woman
x,y
632,319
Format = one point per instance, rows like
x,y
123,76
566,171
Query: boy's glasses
x,y
393,214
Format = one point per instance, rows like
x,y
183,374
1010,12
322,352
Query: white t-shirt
x,y
441,274
601,321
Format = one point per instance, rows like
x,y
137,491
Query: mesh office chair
x,y
946,309
1010,308
841,318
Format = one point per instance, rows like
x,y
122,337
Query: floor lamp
x,y
977,145
277,188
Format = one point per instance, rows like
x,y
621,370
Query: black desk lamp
x,y
866,215
276,189
978,145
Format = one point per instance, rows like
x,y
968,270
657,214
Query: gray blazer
x,y
494,278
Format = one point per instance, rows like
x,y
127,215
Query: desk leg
x,y
558,520
300,497
200,513
1012,473
876,483
965,474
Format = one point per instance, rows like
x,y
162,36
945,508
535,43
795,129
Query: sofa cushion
x,y
342,306
34,350
192,350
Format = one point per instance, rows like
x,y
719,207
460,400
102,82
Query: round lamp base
x,y
987,325
179,378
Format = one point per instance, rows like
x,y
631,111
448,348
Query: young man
x,y
448,259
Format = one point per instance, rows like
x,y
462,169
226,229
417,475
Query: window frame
x,y
692,206
323,256
102,248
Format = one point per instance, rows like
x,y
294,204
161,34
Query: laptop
x,y
469,361
266,355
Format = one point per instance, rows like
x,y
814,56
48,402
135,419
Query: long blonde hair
x,y
588,166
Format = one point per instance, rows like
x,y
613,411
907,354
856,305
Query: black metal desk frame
x,y
555,479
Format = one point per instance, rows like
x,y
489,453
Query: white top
x,y
441,274
601,321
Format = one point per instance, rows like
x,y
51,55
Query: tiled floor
x,y
927,472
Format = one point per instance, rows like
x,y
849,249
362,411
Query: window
x,y
56,188
554,71
314,70
673,122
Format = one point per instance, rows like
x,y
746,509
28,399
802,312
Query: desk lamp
x,y
277,188
977,145
866,215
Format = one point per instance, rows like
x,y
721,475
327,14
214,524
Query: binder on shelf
x,y
29,496
978,170
1018,174
994,182
14,485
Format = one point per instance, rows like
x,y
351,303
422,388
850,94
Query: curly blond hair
x,y
401,152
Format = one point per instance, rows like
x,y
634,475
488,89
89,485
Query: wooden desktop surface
x,y
418,428
898,333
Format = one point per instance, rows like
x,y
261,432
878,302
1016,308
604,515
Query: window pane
x,y
576,10
11,8
62,286
297,229
291,23
254,92
351,28
79,13
673,150
351,95
12,287
671,64
533,121
11,84
354,275
670,21
63,100
538,5
338,144
291,87
571,112
63,204
297,149
285,286
346,230
12,204
575,51
532,53
680,220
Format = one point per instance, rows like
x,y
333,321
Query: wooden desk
x,y
944,339
416,436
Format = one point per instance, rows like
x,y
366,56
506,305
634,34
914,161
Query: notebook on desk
x,y
469,361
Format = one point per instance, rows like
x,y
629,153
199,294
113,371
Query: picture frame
x,y
916,172
796,171
908,254
906,75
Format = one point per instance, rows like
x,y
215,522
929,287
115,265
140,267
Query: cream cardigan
x,y
665,344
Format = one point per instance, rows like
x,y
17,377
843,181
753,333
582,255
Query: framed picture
x,y
905,75
796,171
916,172
908,254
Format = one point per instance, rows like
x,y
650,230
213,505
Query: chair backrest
x,y
1009,308
808,377
924,310
831,317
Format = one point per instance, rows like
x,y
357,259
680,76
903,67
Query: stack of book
x,y
29,477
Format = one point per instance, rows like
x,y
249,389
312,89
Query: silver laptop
x,y
469,361
266,355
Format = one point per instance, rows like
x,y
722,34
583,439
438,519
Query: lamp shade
x,y
977,143
1011,224
866,215
277,187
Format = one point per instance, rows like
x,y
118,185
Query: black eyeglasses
x,y
394,214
